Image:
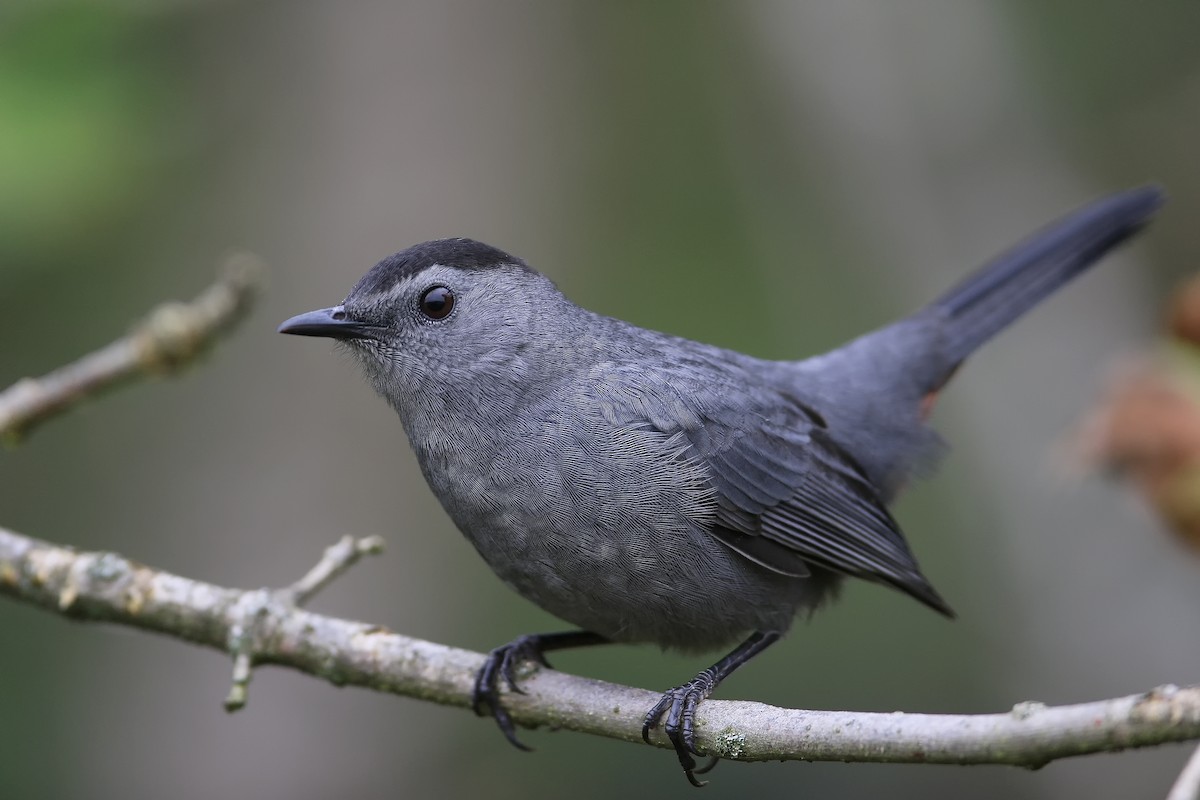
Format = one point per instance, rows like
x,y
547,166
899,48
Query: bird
x,y
647,488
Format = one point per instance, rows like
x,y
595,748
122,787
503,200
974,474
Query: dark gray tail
x,y
1001,291
870,389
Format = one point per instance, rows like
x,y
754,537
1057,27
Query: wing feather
x,y
787,495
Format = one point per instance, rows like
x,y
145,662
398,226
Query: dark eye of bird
x,y
437,303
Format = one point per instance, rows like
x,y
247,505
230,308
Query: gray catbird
x,y
649,488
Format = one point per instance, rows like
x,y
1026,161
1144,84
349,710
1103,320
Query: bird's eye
x,y
437,303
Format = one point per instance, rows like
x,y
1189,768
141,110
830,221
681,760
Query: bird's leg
x,y
680,703
501,665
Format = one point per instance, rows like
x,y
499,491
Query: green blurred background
x,y
774,177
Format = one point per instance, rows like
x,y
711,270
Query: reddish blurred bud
x,y
1146,429
1183,316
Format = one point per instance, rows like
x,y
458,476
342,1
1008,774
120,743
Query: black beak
x,y
329,322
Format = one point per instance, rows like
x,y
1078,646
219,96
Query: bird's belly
x,y
625,573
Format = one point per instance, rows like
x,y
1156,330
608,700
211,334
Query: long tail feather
x,y
1004,289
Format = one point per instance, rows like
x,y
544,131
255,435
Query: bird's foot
x,y
501,666
679,706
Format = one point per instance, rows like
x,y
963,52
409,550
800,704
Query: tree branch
x,y
171,336
244,640
268,628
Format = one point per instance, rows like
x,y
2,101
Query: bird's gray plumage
x,y
651,488
648,488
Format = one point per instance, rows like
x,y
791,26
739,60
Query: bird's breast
x,y
606,527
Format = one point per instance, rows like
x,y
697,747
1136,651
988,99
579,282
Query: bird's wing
x,y
787,495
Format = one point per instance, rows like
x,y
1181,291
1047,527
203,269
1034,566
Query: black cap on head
x,y
459,253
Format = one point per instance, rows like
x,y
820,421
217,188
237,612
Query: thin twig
x,y
245,636
170,337
107,587
1187,785
337,559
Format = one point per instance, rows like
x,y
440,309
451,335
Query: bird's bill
x,y
331,323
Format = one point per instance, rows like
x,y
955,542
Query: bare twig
x,y
107,587
245,636
172,335
1187,785
337,559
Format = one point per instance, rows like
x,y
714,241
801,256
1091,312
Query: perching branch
x,y
267,628
171,336
270,627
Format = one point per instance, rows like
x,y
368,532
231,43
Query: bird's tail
x,y
860,386
995,295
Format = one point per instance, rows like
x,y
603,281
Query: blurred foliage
x,y
89,110
1100,57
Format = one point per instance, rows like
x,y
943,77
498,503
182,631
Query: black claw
x,y
654,715
680,704
485,685
505,723
501,667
